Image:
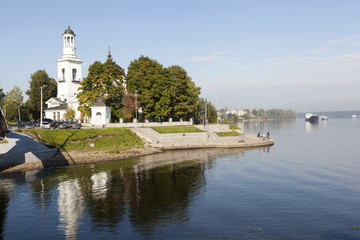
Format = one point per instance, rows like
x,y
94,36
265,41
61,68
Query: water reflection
x,y
309,127
70,207
147,193
100,184
6,186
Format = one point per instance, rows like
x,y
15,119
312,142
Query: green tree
x,y
69,114
255,113
163,92
12,104
38,79
150,80
104,79
2,96
211,113
183,93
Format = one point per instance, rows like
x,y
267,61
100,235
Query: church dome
x,y
69,31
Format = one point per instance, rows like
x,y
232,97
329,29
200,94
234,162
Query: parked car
x,y
77,125
60,125
72,124
45,125
20,123
29,125
50,121
36,123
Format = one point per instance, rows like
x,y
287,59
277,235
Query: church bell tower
x,y
69,68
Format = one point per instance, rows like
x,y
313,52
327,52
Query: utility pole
x,y
217,110
41,105
206,118
136,105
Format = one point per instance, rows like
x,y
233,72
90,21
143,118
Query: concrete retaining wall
x,y
142,124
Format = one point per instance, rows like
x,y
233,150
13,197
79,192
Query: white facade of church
x,y
68,78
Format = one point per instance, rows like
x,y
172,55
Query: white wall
x,y
67,88
100,115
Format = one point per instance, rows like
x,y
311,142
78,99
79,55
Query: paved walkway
x,y
23,149
208,139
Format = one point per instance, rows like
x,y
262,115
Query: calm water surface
x,y
306,186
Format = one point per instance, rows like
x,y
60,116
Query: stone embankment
x,y
207,139
23,152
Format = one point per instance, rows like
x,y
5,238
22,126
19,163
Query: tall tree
x,y
38,79
2,96
184,93
148,78
104,79
164,92
12,104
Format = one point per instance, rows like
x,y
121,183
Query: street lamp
x,y
41,105
136,105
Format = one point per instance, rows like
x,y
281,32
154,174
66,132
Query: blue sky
x,y
299,55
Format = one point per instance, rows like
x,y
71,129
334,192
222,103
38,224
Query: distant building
x,y
68,78
239,113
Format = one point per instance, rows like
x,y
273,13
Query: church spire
x,y
109,54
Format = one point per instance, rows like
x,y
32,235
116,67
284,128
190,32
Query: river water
x,y
306,186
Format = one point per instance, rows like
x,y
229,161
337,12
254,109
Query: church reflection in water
x,y
146,193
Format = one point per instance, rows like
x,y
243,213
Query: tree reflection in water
x,y
146,193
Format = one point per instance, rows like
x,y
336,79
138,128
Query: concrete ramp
x,y
23,149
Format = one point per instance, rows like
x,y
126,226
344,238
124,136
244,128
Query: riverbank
x,y
76,147
63,158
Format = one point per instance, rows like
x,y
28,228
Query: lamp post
x,y
136,105
41,105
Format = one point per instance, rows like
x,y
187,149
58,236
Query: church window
x,y
58,115
74,74
63,73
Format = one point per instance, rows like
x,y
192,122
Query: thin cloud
x,y
223,57
224,53
202,59
340,41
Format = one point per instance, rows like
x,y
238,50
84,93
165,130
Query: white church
x,y
69,78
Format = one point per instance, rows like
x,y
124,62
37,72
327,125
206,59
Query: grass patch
x,y
177,129
233,127
112,139
228,134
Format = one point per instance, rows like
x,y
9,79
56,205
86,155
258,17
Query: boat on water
x,y
354,116
310,117
323,117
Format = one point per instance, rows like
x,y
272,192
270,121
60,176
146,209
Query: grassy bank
x,y
109,139
177,129
233,127
228,134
